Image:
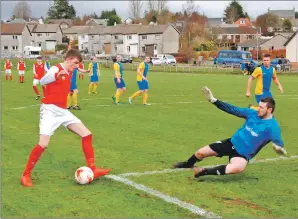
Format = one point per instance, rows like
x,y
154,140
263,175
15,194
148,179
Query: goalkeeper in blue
x,y
259,129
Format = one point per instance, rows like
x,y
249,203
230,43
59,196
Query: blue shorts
x,y
121,84
73,86
94,78
143,85
265,94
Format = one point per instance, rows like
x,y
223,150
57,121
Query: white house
x,y
131,42
292,48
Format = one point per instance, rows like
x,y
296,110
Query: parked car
x,y
167,59
156,61
124,59
232,57
281,64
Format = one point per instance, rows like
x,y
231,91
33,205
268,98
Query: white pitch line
x,y
25,107
137,174
192,208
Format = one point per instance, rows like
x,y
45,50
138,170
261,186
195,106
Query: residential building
x,y
63,23
213,22
292,49
284,14
232,36
14,37
46,36
275,43
95,22
244,22
251,44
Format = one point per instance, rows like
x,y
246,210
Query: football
x,y
84,175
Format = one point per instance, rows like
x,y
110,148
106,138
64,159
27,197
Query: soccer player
x,y
7,67
38,71
72,99
21,69
94,73
53,113
259,129
81,74
264,75
47,64
118,79
142,81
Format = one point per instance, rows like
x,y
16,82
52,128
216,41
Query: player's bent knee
x,y
234,169
44,140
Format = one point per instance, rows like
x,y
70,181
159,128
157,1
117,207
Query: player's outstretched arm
x,y
279,149
52,75
226,107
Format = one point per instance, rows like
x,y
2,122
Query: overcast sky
x,y
209,8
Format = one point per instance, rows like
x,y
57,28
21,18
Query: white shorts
x,y
52,116
36,82
21,72
8,71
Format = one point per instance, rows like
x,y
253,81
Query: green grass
x,y
134,138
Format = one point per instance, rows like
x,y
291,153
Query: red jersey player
x,y
81,74
21,69
7,67
38,71
53,113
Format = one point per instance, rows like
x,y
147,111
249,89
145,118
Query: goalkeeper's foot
x,y
208,94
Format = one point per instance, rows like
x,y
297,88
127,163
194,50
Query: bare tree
x,y
135,7
152,5
190,7
22,10
162,6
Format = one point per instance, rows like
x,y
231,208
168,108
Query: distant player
x,y
47,64
94,73
8,67
72,99
264,75
118,79
53,113
81,74
142,81
259,129
38,71
21,68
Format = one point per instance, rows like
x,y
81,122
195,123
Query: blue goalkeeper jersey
x,y
255,132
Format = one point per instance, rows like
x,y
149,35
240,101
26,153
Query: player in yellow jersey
x,y
142,81
94,73
118,79
264,75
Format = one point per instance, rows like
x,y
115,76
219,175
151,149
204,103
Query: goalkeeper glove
x,y
208,94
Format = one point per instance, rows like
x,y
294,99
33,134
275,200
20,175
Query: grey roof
x,y
77,30
283,13
289,40
60,21
285,34
130,29
18,21
46,28
253,42
234,30
98,21
211,22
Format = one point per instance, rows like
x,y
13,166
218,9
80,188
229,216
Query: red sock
x,y
88,151
43,89
23,78
11,77
20,78
33,158
6,77
36,90
79,76
82,76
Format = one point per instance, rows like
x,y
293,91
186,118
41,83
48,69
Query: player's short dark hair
x,y
74,53
39,57
267,56
270,102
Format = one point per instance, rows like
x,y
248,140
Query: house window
x,y
144,37
115,48
116,37
92,37
47,34
14,47
39,44
242,21
143,49
229,37
14,37
82,46
157,37
155,47
39,34
128,49
5,47
219,37
129,37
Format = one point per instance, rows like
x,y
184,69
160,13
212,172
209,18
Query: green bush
x,y
62,46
